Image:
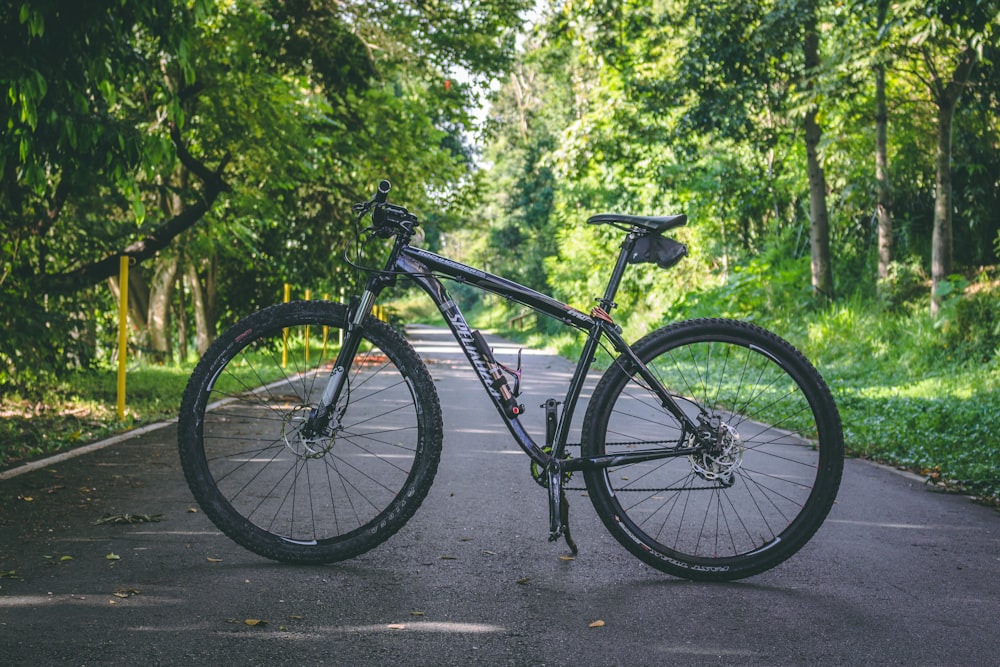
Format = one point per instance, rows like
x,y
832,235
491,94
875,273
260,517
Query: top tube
x,y
502,287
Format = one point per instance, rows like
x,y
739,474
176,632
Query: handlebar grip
x,y
383,192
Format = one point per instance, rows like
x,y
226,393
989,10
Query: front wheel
x,y
308,498
754,497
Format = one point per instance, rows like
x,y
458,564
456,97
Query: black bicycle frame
x,y
421,266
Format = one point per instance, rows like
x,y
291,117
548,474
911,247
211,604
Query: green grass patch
x,y
83,407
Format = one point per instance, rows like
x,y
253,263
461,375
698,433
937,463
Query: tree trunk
x,y
883,205
819,229
946,96
138,295
182,322
161,291
203,321
941,239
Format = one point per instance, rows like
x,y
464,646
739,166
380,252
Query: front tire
x,y
771,479
302,499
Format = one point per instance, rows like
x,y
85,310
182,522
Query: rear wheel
x,y
766,484
298,498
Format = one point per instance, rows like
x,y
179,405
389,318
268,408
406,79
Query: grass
x,y
83,407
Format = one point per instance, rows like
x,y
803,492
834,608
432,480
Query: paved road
x,y
897,575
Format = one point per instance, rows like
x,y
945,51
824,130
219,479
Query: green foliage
x,y
940,426
227,137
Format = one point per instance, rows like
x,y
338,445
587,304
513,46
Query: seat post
x,y
607,302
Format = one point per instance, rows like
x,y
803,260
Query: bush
x,y
975,324
906,283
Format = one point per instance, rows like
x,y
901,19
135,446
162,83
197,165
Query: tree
x,y
264,119
943,44
883,198
753,68
819,229
71,146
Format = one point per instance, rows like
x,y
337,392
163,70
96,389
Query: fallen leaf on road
x,y
596,624
567,558
126,592
524,581
418,613
113,556
396,626
214,560
255,622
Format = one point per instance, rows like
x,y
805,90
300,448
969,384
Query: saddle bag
x,y
659,250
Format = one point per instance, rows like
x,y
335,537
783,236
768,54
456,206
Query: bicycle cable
x,y
358,244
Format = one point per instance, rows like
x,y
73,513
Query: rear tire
x,y
308,500
765,490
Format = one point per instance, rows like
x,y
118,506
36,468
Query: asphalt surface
x,y
898,574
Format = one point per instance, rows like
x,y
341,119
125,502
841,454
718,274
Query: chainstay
x,y
674,445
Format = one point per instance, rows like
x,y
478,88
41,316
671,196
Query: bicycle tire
x,y
301,500
766,490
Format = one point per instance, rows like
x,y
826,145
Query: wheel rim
x,y
742,496
308,490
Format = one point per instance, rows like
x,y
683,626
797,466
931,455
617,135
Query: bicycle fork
x,y
322,420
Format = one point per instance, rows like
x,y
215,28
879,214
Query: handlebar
x,y
382,193
387,219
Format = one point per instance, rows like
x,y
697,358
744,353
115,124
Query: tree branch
x,y
159,238
960,77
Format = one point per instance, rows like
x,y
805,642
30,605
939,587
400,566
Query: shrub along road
x,y
898,574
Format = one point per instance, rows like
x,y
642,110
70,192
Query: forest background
x,y
839,161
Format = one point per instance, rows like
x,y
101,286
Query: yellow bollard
x,y
340,331
284,332
326,332
308,294
122,331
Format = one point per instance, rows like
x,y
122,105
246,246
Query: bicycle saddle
x,y
656,224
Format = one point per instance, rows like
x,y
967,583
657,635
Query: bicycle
x,y
711,449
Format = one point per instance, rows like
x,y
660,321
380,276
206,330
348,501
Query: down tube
x,y
463,334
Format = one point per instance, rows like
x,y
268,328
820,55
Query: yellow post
x,y
122,332
306,341
284,332
326,332
340,331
